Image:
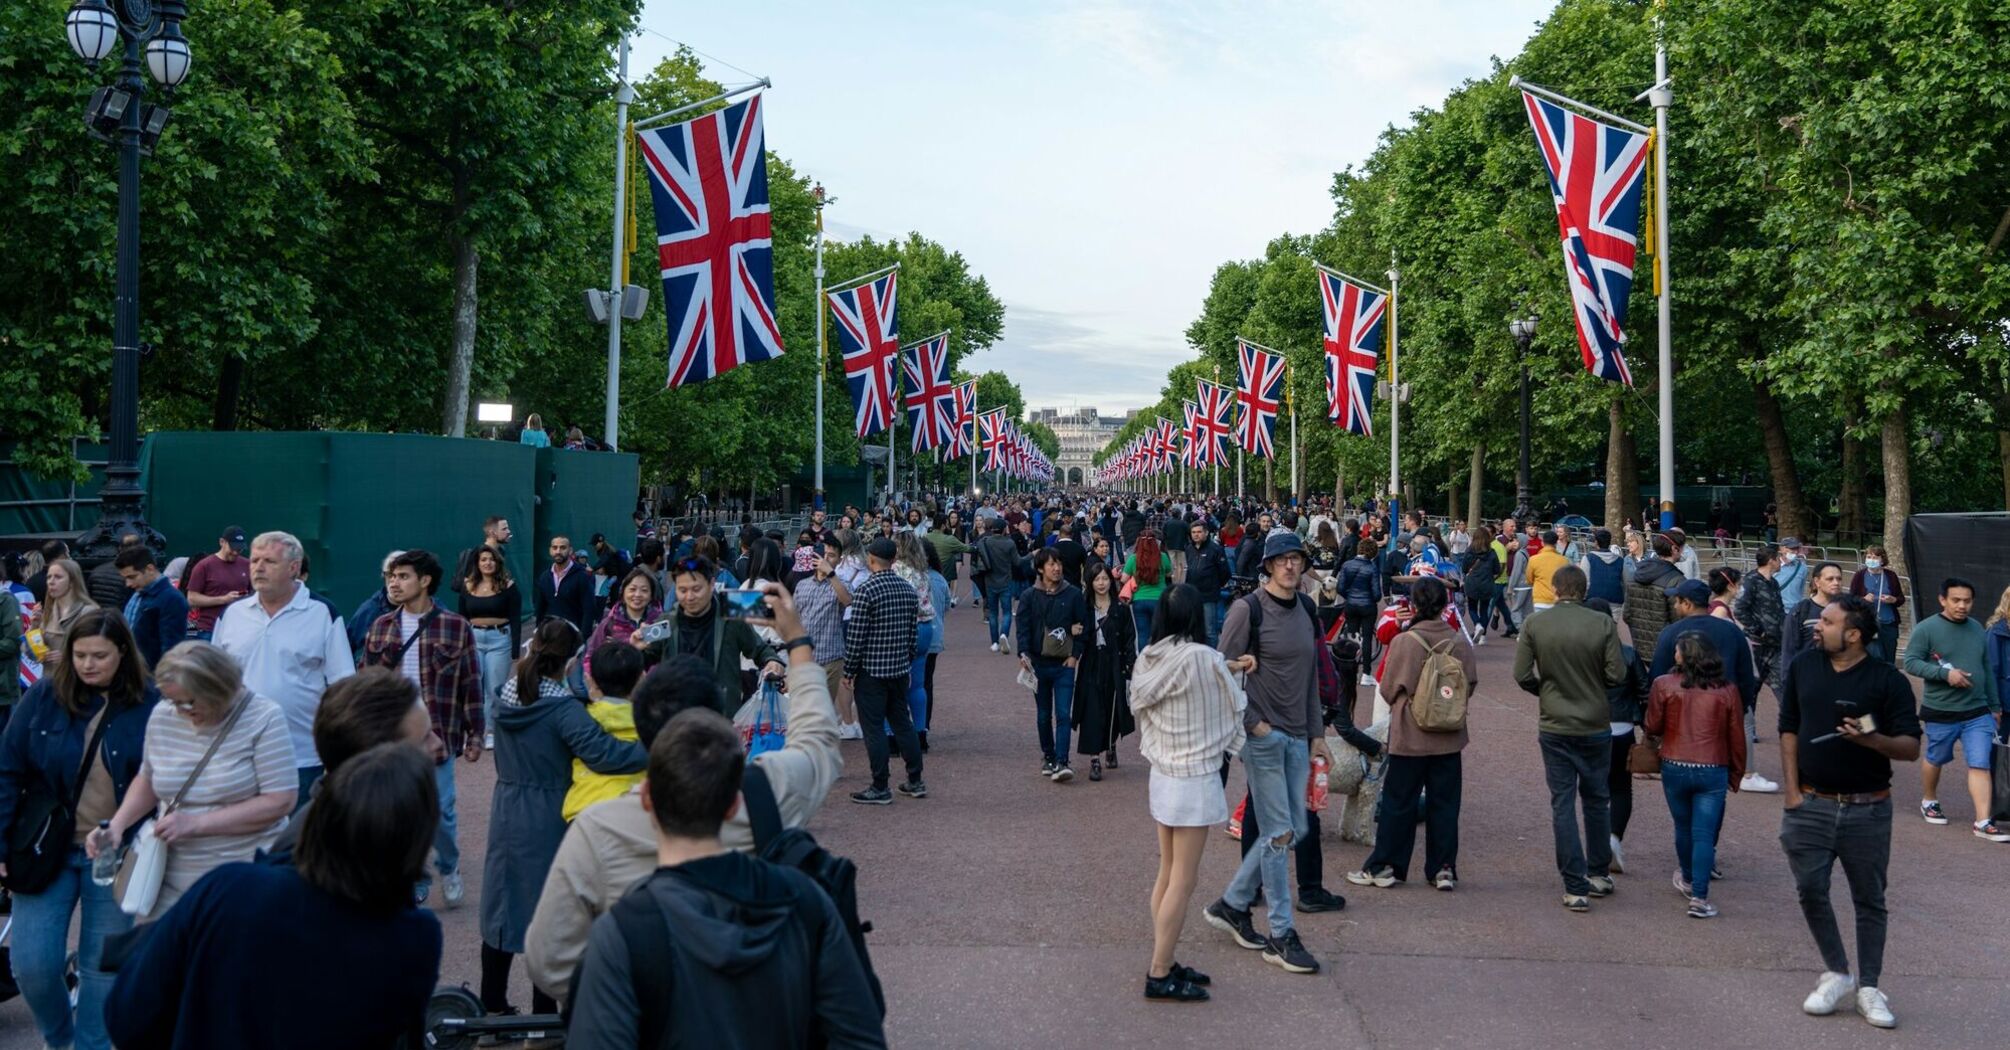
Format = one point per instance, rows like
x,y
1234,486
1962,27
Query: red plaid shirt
x,y
450,678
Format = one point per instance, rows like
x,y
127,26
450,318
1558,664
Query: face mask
x,y
1872,563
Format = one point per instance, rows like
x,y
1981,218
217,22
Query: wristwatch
x,y
797,643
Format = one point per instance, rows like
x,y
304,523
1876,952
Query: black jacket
x,y
1760,611
1040,612
573,599
1628,700
1207,570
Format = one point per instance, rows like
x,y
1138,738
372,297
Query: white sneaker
x,y
994,647
453,890
1481,640
1368,680
1829,993
1757,784
488,741
1618,856
850,731
1871,1003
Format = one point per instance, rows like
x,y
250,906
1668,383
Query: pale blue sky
x,y
1095,161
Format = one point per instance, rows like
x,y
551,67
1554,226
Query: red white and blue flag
x,y
1258,395
928,392
1217,404
1596,175
1354,327
1189,434
1168,447
708,178
993,438
868,332
963,435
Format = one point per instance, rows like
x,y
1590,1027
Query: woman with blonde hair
x,y
910,563
67,599
1998,642
218,778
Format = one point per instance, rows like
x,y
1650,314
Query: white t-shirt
x,y
408,625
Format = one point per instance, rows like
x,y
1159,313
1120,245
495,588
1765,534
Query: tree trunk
x,y
1897,483
229,386
1269,480
1339,485
1616,452
1850,509
1792,506
461,359
1474,475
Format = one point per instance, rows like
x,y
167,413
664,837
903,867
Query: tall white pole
x,y
1238,473
1395,405
817,495
1662,96
1294,453
623,95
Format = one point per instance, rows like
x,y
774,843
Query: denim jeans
x,y
998,611
883,701
1579,765
492,652
1441,781
1142,611
446,845
1696,803
1816,834
1276,765
1054,708
41,942
917,676
1213,610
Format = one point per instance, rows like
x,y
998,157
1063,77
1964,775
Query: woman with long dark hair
x,y
637,601
540,728
1152,568
1102,678
1189,709
493,607
70,751
1700,719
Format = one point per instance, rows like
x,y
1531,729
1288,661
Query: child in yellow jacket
x,y
611,674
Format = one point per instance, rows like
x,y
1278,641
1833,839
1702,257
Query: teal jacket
x,y
1964,646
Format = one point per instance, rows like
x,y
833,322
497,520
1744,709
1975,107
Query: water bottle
x,y
105,869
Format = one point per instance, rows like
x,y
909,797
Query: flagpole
x,y
623,95
1395,408
1662,96
650,122
1293,405
823,315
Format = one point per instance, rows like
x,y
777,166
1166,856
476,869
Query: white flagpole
x,y
1395,407
623,95
817,495
1662,96
1294,452
1238,473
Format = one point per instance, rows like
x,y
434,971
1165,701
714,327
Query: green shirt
x,y
1938,644
1149,592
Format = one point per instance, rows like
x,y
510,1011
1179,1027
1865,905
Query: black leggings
x,y
1621,782
928,683
495,985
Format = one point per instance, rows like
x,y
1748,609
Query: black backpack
x,y
651,949
1255,602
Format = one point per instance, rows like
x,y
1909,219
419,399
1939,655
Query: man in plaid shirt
x,y
878,650
435,648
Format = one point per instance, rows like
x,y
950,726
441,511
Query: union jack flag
x,y
1189,433
709,180
1168,443
963,437
993,438
868,332
1354,317
1596,174
1217,403
930,396
1258,394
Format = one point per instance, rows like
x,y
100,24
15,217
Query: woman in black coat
x,y
1103,677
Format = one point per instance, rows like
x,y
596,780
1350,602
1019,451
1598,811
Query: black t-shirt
x,y
1072,556
1815,699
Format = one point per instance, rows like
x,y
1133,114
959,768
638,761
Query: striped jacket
x,y
1188,707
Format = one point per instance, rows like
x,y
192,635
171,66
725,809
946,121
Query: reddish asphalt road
x,y
1011,912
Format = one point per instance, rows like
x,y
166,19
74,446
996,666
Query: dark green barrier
x,y
581,493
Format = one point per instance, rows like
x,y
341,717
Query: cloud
x,y
1062,358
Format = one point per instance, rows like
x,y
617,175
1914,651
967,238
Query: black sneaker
x,y
873,797
1318,899
1172,988
1062,774
1190,975
913,789
1289,952
1047,769
1236,923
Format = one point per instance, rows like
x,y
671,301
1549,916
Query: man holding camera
x,y
704,627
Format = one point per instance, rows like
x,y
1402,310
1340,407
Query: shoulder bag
x,y
146,862
45,822
1644,756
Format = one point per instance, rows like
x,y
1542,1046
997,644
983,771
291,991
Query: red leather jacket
x,y
1703,726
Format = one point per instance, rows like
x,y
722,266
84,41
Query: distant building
x,y
1083,432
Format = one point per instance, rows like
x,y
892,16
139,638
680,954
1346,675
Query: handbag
x,y
1644,756
145,866
44,824
769,731
1130,588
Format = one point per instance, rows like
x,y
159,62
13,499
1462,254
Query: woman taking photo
x,y
1420,760
225,969
1102,679
69,754
1189,714
1153,570
494,608
540,729
67,600
1700,719
219,770
638,602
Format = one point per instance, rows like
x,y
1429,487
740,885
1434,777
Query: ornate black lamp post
x,y
119,114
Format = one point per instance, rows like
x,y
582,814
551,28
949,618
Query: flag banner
x,y
1190,435
708,178
993,438
1354,342
868,335
1259,393
963,438
1596,173
1217,404
928,393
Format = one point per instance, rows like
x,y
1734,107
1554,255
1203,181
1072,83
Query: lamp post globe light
x,y
1523,330
147,34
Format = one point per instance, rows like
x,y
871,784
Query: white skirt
x,y
1188,802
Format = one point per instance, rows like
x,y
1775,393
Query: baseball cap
x,y
1791,543
881,548
233,535
1695,592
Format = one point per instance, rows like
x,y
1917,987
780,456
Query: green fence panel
x,y
30,505
581,493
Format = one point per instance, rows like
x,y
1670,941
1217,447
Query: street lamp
x,y
1523,330
120,114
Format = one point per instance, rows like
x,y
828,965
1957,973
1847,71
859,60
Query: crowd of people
x,y
214,748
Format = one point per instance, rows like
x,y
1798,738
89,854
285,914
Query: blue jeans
x,y
1142,610
492,653
1696,802
1054,708
446,850
41,941
998,611
1276,766
917,676
1215,614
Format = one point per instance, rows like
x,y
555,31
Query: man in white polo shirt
x,y
291,646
